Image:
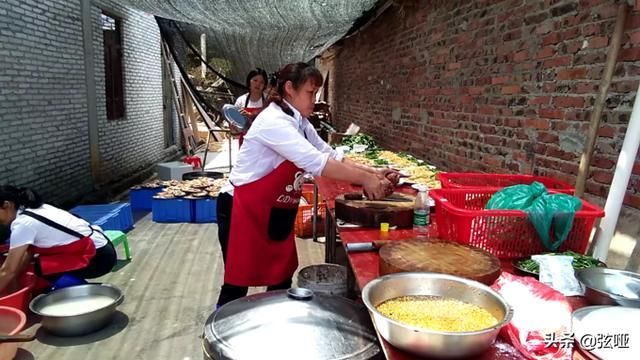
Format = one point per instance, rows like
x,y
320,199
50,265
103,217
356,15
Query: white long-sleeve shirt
x,y
275,137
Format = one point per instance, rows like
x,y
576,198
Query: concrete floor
x,y
171,286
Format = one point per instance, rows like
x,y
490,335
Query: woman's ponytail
x,y
276,98
29,199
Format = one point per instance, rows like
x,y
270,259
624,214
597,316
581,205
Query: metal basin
x,y
296,324
81,324
428,342
610,287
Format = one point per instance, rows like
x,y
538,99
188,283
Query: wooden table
x,y
364,265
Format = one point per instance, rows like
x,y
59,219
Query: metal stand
x,y
230,146
330,237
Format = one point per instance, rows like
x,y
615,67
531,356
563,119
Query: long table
x,y
363,266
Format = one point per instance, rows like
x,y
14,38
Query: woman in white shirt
x,y
65,244
279,149
252,102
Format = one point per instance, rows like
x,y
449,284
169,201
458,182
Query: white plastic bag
x,y
557,271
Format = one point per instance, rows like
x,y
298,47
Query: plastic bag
x,y
550,214
557,271
540,313
516,197
553,213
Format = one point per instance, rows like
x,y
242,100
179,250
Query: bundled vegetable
x,y
579,262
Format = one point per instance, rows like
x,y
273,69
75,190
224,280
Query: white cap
x,y
422,187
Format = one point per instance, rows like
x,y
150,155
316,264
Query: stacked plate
x,y
608,332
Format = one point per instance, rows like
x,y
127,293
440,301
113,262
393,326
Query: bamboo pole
x,y
594,125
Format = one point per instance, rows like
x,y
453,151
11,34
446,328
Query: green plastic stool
x,y
117,238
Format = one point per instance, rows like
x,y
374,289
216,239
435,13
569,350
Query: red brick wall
x,y
493,86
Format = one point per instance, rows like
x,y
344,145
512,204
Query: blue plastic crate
x,y
172,210
140,199
107,216
204,210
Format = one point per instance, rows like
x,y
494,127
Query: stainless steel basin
x,y
83,323
428,342
610,286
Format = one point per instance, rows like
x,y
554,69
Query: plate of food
x,y
529,266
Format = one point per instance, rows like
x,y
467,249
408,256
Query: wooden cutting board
x,y
440,257
397,210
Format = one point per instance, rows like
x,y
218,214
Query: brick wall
x,y
44,143
494,86
43,101
137,140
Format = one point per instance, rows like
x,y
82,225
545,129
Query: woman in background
x,y
251,103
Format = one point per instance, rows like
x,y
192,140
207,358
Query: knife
x,y
395,198
365,246
361,197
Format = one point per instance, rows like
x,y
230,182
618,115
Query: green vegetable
x,y
371,154
579,262
361,139
408,156
380,162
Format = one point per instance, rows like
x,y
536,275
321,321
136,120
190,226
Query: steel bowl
x,y
610,286
432,343
77,325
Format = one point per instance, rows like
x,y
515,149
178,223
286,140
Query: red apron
x,y
253,111
65,258
262,248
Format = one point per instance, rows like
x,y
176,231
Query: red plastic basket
x,y
480,180
507,234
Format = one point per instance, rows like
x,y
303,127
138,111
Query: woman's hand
x,y
376,188
234,129
16,262
390,174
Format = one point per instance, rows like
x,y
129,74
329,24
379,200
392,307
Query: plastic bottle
x,y
421,212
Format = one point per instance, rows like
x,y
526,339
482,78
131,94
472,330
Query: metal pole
x,y
230,146
315,211
615,199
206,151
203,53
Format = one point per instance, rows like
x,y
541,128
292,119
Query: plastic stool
x,y
66,281
117,238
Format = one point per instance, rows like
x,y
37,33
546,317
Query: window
x,y
114,76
